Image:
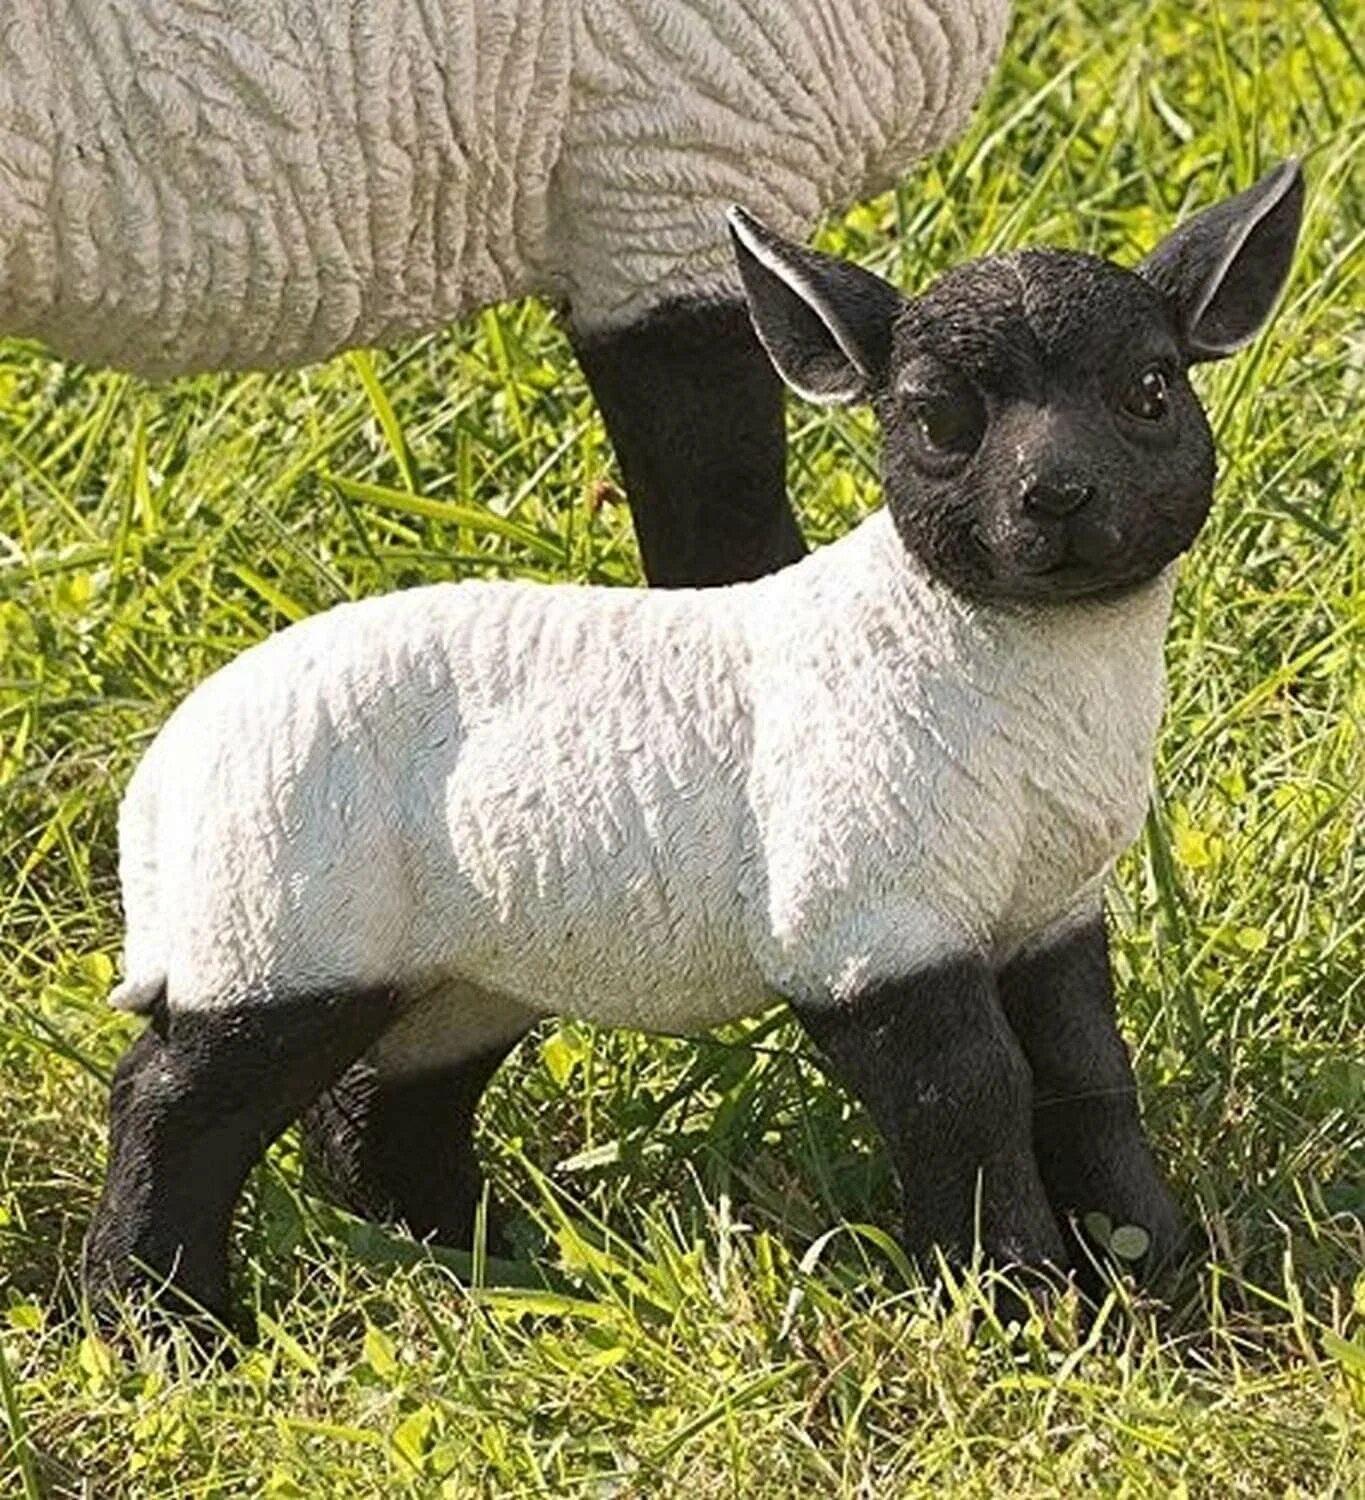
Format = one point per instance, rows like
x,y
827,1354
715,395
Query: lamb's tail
x,y
139,868
139,994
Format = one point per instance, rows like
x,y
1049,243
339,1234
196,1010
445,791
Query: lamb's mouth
x,y
1067,574
1074,578
1054,570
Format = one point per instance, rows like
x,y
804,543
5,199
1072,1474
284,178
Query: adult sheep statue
x,y
201,186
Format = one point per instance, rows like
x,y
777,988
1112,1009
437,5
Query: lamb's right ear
x,y
1222,270
825,323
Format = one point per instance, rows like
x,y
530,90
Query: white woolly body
x,y
659,810
192,184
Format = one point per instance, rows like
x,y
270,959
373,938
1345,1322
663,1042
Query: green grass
x,y
677,1320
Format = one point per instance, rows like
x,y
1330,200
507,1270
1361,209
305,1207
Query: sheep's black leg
x,y
195,1102
945,1082
399,1147
694,410
1087,1134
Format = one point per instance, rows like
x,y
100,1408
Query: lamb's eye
x,y
950,426
1147,397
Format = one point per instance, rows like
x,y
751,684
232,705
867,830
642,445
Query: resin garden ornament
x,y
885,785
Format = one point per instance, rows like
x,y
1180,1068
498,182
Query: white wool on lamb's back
x,y
188,186
652,809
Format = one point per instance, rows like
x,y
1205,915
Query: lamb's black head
x,y
1041,437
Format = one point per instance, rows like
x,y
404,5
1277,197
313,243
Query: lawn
x,y
704,1298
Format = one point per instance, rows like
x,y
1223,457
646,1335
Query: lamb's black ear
x,y
1223,270
825,323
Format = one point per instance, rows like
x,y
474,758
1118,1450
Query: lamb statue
x,y
885,785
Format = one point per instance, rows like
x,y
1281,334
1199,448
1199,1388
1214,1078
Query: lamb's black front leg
x,y
1087,1133
694,410
935,1062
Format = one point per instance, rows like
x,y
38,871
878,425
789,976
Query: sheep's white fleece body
x,y
194,184
659,810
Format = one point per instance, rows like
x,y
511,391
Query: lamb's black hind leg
x,y
195,1101
398,1147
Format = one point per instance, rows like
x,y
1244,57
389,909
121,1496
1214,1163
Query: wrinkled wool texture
x,y
658,810
197,184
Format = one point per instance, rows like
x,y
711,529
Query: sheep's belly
x,y
632,959
643,991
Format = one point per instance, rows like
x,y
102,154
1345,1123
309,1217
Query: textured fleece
x,y
658,810
195,184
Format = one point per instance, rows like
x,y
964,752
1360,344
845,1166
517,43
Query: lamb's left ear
x,y
1222,271
825,323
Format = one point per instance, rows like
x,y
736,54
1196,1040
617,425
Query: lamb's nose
x,y
1051,499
